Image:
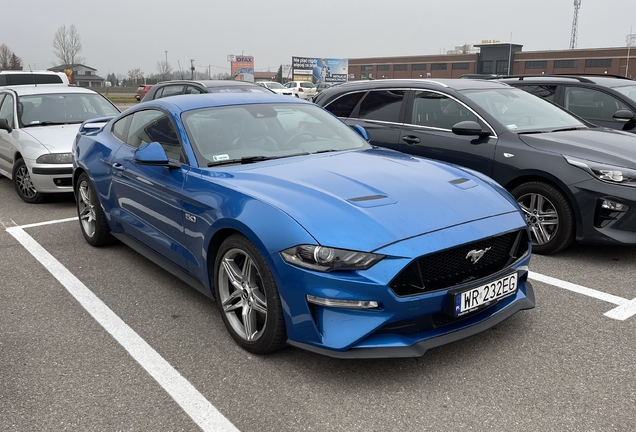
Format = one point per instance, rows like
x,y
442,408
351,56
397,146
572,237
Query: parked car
x,y
142,90
276,87
302,89
12,78
605,100
303,232
323,85
37,127
572,179
179,87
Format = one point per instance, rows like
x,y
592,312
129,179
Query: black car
x,y
178,87
572,179
605,100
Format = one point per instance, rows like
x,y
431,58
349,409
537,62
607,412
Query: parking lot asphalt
x,y
562,366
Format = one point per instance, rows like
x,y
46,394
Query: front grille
x,y
451,267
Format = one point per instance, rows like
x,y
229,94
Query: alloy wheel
x,y
23,182
541,217
86,209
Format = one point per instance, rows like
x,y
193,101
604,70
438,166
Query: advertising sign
x,y
316,69
243,68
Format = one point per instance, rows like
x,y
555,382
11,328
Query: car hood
x,y
370,198
598,145
55,138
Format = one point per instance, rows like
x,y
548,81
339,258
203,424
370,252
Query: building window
x,y
87,73
566,64
439,66
502,67
400,67
486,67
384,68
418,67
543,64
598,63
460,66
367,68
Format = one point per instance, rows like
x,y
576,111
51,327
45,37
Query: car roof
x,y
210,83
205,100
454,84
47,89
601,80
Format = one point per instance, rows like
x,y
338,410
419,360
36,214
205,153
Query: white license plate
x,y
474,298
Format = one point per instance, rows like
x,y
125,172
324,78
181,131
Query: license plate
x,y
484,295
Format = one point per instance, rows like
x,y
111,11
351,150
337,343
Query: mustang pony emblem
x,y
475,255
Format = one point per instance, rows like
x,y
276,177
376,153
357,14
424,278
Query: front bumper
x,y
51,178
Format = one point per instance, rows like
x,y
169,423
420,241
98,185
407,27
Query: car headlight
x,y
55,158
325,259
606,173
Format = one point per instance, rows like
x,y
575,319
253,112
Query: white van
x,y
10,78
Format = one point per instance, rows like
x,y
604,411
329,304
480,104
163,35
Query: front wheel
x,y
548,214
247,297
91,216
23,184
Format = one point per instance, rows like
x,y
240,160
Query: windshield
x,y
520,111
63,108
221,135
629,91
275,85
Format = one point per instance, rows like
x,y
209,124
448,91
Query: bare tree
x,y
5,57
135,75
164,69
68,45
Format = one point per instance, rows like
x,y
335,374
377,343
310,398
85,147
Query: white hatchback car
x,y
38,125
302,89
276,87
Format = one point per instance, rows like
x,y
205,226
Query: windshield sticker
x,y
222,157
512,126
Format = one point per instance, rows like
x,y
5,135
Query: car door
x,y
595,106
381,113
150,198
8,141
427,131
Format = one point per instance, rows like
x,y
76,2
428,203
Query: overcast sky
x,y
119,35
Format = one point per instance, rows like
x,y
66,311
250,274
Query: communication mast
x,y
575,24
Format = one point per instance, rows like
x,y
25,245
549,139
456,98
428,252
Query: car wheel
x,y
247,297
23,184
91,216
548,214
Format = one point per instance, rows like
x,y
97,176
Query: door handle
x,y
410,139
117,166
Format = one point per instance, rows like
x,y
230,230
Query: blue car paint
x,y
307,200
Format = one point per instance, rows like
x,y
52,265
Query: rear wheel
x,y
548,214
23,184
247,297
90,213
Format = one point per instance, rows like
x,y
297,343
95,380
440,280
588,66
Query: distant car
x,y
302,89
321,86
179,87
38,125
303,232
574,181
605,100
141,91
10,78
276,87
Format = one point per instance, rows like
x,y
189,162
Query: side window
x,y
439,111
120,128
6,110
171,91
152,125
343,106
383,105
543,91
591,104
193,90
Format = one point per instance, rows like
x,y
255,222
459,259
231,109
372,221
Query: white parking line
x,y
204,414
625,309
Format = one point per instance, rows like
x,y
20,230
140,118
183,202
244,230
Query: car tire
x,y
91,216
246,292
549,216
23,184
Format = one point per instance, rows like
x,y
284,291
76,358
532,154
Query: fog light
x,y
350,304
614,206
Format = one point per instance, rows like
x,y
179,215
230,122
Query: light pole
x,y
166,58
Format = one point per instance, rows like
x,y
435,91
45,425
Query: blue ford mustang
x,y
303,232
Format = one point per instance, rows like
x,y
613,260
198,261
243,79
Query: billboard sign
x,y
317,69
243,68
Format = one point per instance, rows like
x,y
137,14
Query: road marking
x,y
626,308
204,414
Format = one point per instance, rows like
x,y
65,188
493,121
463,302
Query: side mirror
x,y
4,125
362,132
153,154
469,128
623,116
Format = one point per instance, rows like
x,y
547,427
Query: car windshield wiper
x,y
252,159
566,129
530,132
326,151
50,123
